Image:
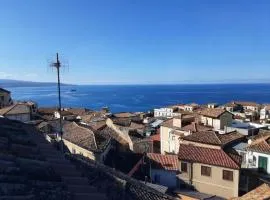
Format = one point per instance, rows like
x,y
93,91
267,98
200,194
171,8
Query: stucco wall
x,y
214,184
167,144
166,178
256,154
75,149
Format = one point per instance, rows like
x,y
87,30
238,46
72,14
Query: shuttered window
x,y
183,167
227,175
205,171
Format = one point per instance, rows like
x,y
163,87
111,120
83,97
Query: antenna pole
x,y
59,93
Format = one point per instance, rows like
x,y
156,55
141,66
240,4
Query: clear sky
x,y
136,41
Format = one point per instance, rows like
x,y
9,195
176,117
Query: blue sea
x,y
120,98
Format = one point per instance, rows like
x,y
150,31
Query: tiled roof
x,y
217,157
124,115
168,123
134,125
167,162
11,109
46,111
195,127
260,145
80,136
212,112
3,90
214,138
246,103
260,193
97,125
78,111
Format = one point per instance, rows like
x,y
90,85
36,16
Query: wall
x,y
6,99
169,142
20,117
256,154
78,150
166,177
214,184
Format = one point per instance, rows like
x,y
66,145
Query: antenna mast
x,y
57,65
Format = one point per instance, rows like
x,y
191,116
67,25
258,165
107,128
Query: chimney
x,y
177,122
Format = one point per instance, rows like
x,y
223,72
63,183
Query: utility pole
x,y
58,65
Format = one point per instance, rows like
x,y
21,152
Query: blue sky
x,y
136,41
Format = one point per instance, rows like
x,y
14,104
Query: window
x,y
263,164
183,167
227,175
205,171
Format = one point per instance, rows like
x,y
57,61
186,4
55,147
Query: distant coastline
x,y
8,83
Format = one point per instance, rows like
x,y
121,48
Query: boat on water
x,y
73,90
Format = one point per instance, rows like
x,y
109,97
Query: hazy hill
x,y
18,83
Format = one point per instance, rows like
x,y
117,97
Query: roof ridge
x,y
217,136
11,107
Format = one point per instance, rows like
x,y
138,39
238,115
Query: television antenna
x,y
57,65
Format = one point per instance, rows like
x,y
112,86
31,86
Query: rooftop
x,y
214,138
260,193
217,157
213,112
195,127
167,162
4,90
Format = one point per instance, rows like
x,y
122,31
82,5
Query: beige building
x,y
20,112
94,145
206,166
5,98
172,130
216,118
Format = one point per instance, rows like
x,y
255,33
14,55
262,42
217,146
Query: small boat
x,y
73,90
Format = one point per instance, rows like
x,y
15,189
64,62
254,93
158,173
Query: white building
x,y
265,113
167,112
216,118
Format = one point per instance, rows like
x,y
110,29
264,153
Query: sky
x,y
136,41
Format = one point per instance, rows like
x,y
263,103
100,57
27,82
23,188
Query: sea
x,y
132,98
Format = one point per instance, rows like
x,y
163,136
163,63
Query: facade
x,y
20,112
191,107
165,112
265,114
216,118
171,131
5,98
208,170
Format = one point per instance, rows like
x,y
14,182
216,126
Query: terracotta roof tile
x,y
214,138
212,112
195,127
80,136
260,193
209,156
155,137
260,145
167,162
246,103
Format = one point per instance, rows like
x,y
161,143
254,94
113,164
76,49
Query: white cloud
x,y
6,75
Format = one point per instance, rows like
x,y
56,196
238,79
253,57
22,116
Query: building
x,y
19,111
83,141
166,112
170,133
5,98
208,163
163,169
191,107
265,114
209,170
258,154
232,107
216,118
249,105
